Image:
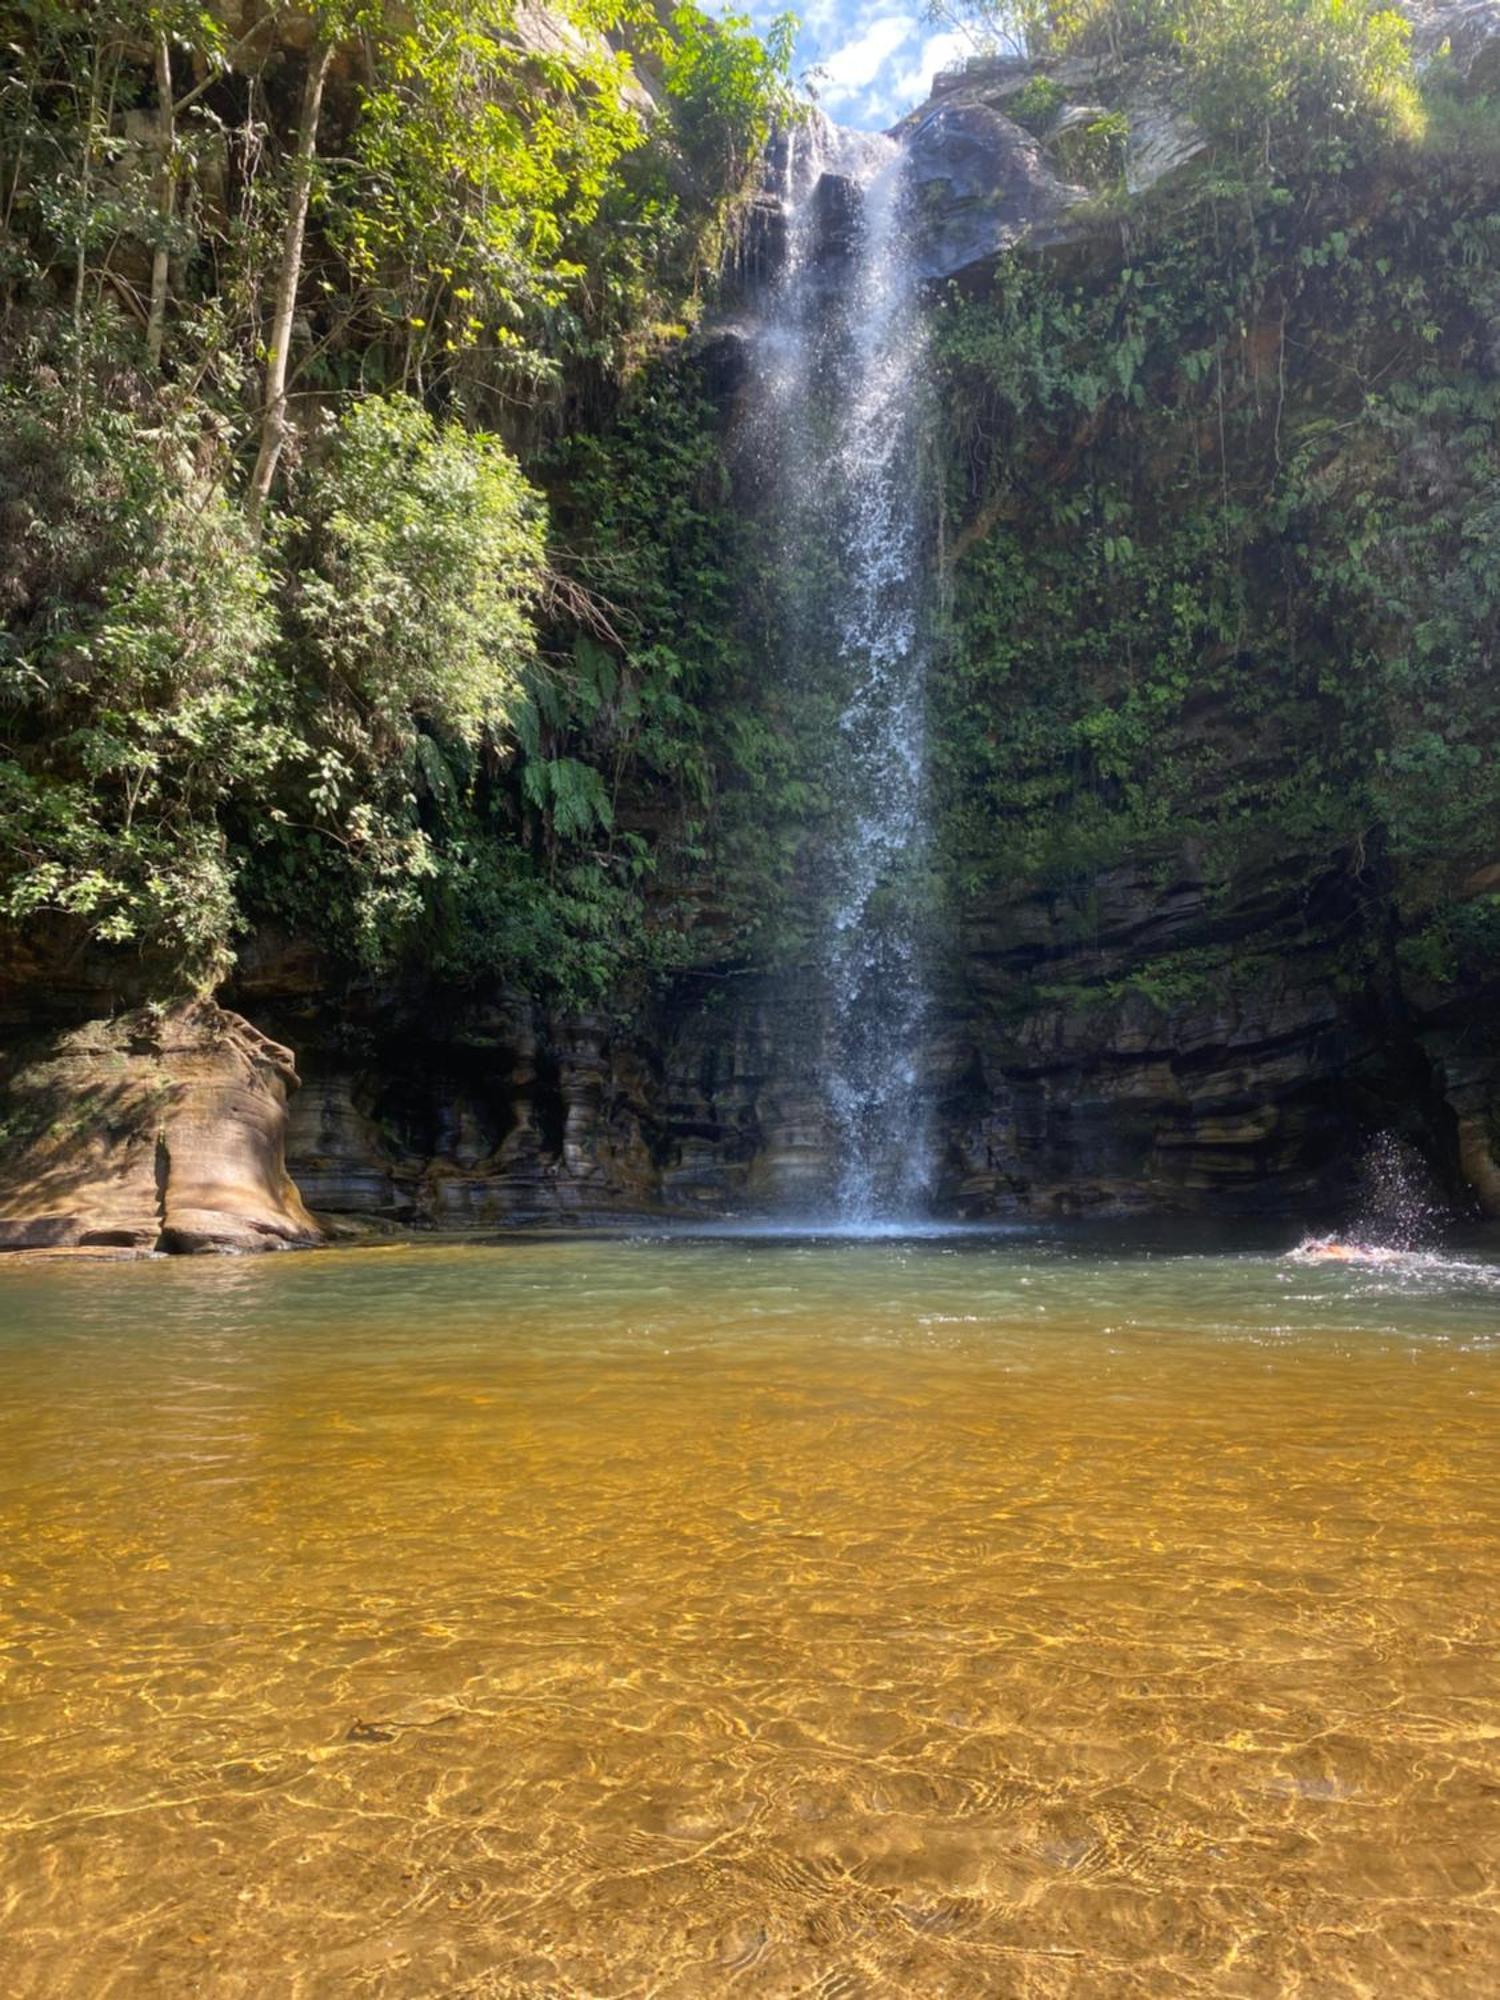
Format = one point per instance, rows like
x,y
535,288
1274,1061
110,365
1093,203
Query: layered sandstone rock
x,y
155,1130
1175,1046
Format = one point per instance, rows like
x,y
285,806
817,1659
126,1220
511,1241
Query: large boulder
x,y
156,1130
996,149
980,184
1465,33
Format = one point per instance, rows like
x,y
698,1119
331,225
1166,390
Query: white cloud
x,y
854,65
938,52
871,61
819,19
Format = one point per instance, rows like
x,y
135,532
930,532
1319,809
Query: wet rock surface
x,y
981,183
1069,1068
696,1108
1065,1072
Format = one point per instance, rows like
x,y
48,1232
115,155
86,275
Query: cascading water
x,y
838,366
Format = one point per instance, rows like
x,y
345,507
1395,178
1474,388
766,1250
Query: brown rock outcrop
x,y
157,1130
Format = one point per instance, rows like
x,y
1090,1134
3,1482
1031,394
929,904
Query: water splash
x,y
839,368
1400,1207
1399,1221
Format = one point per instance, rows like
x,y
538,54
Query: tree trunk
x,y
166,191
85,220
273,418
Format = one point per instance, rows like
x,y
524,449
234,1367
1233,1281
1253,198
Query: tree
x,y
137,687
265,620
273,425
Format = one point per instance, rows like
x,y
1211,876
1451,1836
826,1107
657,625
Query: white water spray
x,y
839,365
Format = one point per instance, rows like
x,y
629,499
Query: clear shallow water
x,y
962,1616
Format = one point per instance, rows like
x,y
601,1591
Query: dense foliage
x,y
371,568
1285,81
1224,595
136,685
286,630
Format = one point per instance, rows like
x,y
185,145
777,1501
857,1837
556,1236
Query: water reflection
x,y
1034,1616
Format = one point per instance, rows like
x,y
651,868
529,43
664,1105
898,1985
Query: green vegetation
x,y
1286,82
137,691
288,631
1223,512
371,569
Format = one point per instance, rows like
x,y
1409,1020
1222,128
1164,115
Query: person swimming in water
x,y
1329,1250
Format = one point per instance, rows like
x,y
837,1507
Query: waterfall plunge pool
x,y
1023,1614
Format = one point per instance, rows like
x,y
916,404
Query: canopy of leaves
x,y
137,689
366,716
425,550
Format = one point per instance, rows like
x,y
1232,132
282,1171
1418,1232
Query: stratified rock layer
x,y
157,1130
1060,1083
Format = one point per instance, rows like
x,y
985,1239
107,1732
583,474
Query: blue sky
x,y
876,58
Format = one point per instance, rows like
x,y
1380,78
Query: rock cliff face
x,y
1071,1064
987,182
1087,1090
1057,1091
151,1131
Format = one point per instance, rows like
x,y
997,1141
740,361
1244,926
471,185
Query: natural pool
x,y
1024,1615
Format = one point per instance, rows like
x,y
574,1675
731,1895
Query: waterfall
x,y
838,380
